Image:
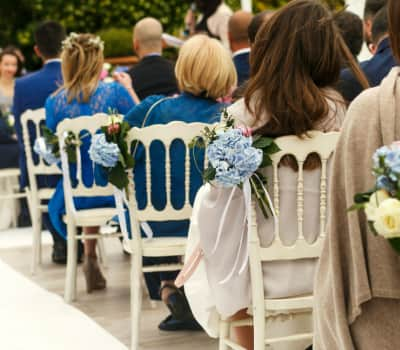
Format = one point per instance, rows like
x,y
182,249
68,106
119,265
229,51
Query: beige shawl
x,y
355,266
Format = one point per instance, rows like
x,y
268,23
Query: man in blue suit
x,y
239,42
376,68
31,92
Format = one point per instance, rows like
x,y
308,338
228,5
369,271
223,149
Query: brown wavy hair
x,y
297,54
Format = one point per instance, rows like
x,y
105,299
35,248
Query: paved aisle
x,y
32,318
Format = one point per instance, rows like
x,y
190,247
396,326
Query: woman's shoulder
x,y
137,114
241,114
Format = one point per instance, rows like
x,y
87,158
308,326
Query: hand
x,y
124,79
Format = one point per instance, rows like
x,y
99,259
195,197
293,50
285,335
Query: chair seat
x,y
162,246
92,217
10,172
45,193
296,303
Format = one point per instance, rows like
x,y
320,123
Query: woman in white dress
x,y
293,71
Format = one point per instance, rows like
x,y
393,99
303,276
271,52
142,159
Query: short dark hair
x,y
48,37
351,28
372,7
380,25
256,23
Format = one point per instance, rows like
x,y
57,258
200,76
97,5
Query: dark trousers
x,y
153,279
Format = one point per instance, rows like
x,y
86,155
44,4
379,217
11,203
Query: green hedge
x,y
19,17
117,42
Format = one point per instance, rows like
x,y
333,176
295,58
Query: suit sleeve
x,y
51,120
17,111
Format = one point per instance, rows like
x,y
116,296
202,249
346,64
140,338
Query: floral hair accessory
x,y
95,42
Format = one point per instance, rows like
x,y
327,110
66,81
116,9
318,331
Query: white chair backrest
x,y
87,125
166,134
36,119
324,145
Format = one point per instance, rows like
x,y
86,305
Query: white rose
x,y
115,119
107,66
374,201
387,222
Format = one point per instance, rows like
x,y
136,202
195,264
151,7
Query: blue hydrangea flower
x,y
45,151
233,158
380,152
103,152
384,183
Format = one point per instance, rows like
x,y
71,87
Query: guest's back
x,y
153,75
376,68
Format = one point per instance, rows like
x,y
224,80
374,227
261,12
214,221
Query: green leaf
x,y
395,243
118,177
262,142
272,148
356,207
209,174
362,198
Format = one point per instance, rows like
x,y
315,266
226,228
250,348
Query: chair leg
x,y
13,202
36,241
136,299
102,252
224,330
72,255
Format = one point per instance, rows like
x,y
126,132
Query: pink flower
x,y
246,131
113,129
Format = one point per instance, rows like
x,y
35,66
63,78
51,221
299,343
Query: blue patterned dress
x,y
106,96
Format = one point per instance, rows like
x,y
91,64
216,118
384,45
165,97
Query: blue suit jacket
x,y
242,65
375,69
31,92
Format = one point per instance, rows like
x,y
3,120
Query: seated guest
x,y
48,37
351,28
83,94
257,22
357,287
290,91
153,75
239,43
205,73
371,8
375,68
10,68
213,19
8,145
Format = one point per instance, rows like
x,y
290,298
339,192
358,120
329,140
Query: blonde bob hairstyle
x,y
82,61
205,68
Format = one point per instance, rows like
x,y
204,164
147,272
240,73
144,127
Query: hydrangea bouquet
x,y
110,150
382,204
235,156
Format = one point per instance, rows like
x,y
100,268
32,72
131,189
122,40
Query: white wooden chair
x,y
10,176
165,246
34,194
81,218
266,310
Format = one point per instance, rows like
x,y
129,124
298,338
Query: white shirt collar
x,y
241,51
53,60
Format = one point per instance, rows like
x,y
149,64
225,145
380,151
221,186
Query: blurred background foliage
x,y
113,18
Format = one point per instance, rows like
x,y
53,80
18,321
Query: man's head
x,y
48,38
237,30
370,10
380,29
351,28
147,37
256,23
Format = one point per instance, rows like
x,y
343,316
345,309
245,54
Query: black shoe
x,y
59,254
177,303
171,324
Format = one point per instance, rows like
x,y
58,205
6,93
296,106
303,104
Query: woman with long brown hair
x,y
357,289
295,64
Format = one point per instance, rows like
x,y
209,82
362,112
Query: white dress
x,y
208,297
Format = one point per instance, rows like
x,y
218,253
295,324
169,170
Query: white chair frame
x,y
263,309
161,246
34,194
10,174
81,218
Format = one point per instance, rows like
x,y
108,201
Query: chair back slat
x,y
90,125
41,168
166,134
322,144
